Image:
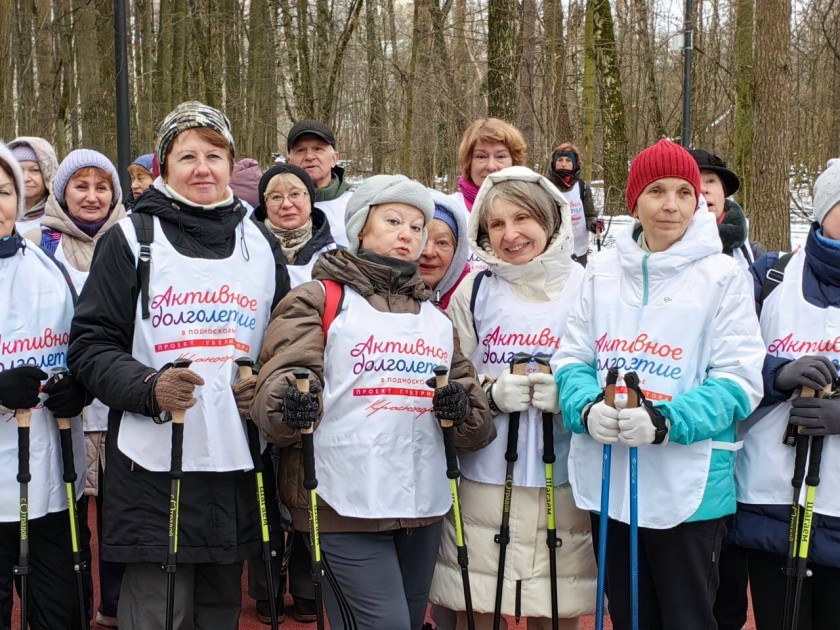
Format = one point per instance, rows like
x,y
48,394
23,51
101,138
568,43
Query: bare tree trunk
x,y
377,121
558,126
612,109
588,106
25,71
163,66
643,33
47,80
178,74
768,196
527,45
502,60
262,120
7,113
744,25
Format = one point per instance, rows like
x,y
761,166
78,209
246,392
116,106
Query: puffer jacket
x,y
295,338
48,161
543,279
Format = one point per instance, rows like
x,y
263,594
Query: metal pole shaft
x,y
123,111
688,46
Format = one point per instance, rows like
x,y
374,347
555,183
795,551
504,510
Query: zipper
x,y
645,279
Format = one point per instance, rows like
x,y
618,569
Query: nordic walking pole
x,y
793,530
598,235
634,396
310,482
812,480
22,569
175,474
246,369
542,365
609,399
517,366
69,477
453,473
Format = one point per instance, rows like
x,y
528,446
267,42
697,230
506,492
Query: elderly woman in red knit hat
x,y
669,306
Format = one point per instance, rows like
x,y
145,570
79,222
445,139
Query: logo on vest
x,y
791,346
658,358
46,350
518,341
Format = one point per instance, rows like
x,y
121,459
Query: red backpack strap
x,y
334,292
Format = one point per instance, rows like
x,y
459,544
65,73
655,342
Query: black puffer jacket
x,y
219,520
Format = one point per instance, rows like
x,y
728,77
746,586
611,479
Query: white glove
x,y
545,396
511,392
636,427
602,423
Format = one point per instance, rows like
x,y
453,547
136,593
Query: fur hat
x,y
663,159
190,115
79,159
827,190
385,189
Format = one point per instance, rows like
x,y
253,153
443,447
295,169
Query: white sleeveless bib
x,y
211,312
502,332
579,231
791,328
379,448
35,330
298,274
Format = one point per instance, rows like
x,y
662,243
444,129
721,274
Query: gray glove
x,y
811,371
816,416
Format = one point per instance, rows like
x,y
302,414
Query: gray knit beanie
x,y
189,115
827,190
79,159
385,189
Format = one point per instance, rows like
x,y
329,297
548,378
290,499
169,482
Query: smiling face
x,y
395,230
8,203
515,234
33,182
287,202
88,195
437,254
197,169
316,156
664,209
487,158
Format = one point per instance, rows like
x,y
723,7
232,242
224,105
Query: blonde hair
x,y
491,130
280,178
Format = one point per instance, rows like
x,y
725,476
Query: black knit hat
x,y
710,162
260,212
312,127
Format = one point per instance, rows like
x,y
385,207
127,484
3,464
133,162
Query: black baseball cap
x,y
310,127
710,162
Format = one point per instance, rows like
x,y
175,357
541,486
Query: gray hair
x,y
529,196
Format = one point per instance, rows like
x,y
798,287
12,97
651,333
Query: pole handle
x,y
246,367
178,415
609,389
66,438
441,373
302,383
23,417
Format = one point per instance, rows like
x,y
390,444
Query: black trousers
x,y
678,574
731,602
51,585
818,608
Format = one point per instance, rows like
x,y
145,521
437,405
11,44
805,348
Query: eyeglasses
x,y
296,196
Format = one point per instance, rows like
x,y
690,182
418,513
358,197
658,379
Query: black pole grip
x,y
310,481
175,471
23,475
67,455
548,438
813,478
799,462
452,471
513,437
254,446
181,363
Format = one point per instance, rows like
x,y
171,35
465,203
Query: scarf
x,y
292,241
469,190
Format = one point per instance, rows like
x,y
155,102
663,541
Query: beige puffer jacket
x,y
538,281
295,339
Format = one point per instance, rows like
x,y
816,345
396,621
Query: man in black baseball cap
x,y
311,146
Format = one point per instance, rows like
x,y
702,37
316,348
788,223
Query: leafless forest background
x,y
400,81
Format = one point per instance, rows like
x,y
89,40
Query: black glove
x,y
19,387
450,402
812,371
66,396
302,409
816,416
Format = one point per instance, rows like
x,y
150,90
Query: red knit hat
x,y
663,159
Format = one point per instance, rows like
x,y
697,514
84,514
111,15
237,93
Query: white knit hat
x,y
77,160
827,190
385,189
